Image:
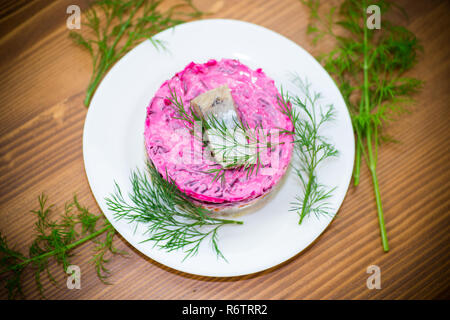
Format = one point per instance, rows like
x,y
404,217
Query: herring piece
x,y
228,144
217,102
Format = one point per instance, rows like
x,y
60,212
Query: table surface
x,y
43,81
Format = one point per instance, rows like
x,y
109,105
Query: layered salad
x,y
234,94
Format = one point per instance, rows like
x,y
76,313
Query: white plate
x,y
113,141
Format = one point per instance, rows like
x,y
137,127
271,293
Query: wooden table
x,y
42,86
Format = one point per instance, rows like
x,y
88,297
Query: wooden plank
x,y
44,76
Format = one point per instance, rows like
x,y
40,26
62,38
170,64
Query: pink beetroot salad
x,y
174,151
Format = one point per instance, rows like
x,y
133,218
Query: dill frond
x,y
369,66
172,221
307,117
55,241
244,155
311,148
115,27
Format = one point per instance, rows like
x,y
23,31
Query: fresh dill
x,y
116,26
238,144
368,66
56,240
308,116
173,222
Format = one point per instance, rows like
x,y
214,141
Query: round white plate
x,y
113,141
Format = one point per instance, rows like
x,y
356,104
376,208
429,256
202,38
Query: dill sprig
x,y
173,222
369,66
116,26
238,143
308,116
56,240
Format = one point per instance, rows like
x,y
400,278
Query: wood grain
x,y
42,86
